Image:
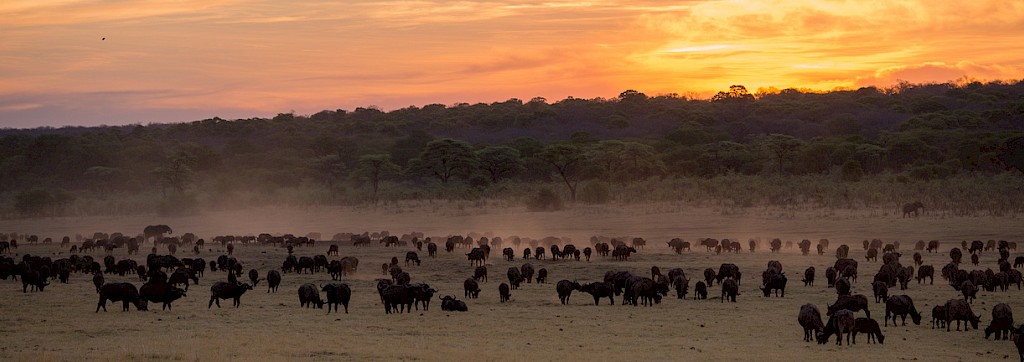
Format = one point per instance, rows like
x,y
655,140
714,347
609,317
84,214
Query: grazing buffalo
x,y
681,285
422,293
126,293
870,327
709,276
1018,340
412,257
337,293
182,276
841,321
901,305
939,316
565,288
730,289
480,273
926,271
34,278
808,277
472,289
309,296
622,252
678,245
508,254
850,302
542,276
842,286
397,298
226,290
476,256
1002,322
777,283
969,290
810,319
503,292
273,280
527,272
881,291
958,310
727,270
514,277
700,291
600,290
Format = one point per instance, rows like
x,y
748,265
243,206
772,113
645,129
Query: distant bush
x,y
545,200
931,172
33,202
595,193
852,171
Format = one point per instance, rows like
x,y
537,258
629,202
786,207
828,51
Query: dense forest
x,y
845,148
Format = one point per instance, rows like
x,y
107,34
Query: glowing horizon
x,y
176,61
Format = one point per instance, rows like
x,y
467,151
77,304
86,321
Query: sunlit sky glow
x,y
184,60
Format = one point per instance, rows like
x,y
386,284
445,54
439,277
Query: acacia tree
x,y
499,161
639,161
374,169
568,160
782,147
1012,153
177,174
625,161
329,169
445,158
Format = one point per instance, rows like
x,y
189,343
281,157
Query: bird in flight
x,y
104,39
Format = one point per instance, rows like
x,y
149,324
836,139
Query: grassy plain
x,y
60,323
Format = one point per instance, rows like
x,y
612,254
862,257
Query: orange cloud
x,y
175,58
940,72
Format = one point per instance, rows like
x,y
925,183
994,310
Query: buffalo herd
x,y
167,277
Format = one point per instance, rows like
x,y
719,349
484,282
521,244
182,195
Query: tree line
x,y
915,131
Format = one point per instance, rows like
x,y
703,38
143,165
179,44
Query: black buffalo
x,y
226,290
273,280
337,293
161,293
449,303
123,292
565,288
901,305
309,296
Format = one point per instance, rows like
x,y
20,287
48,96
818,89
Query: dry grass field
x,y
60,323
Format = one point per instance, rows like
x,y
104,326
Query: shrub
x,y
852,171
545,200
33,202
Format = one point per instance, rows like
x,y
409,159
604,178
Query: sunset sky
x,y
184,60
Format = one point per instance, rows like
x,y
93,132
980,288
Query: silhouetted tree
x,y
568,161
444,159
374,169
499,162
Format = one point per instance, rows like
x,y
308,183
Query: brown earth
x,y
60,323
